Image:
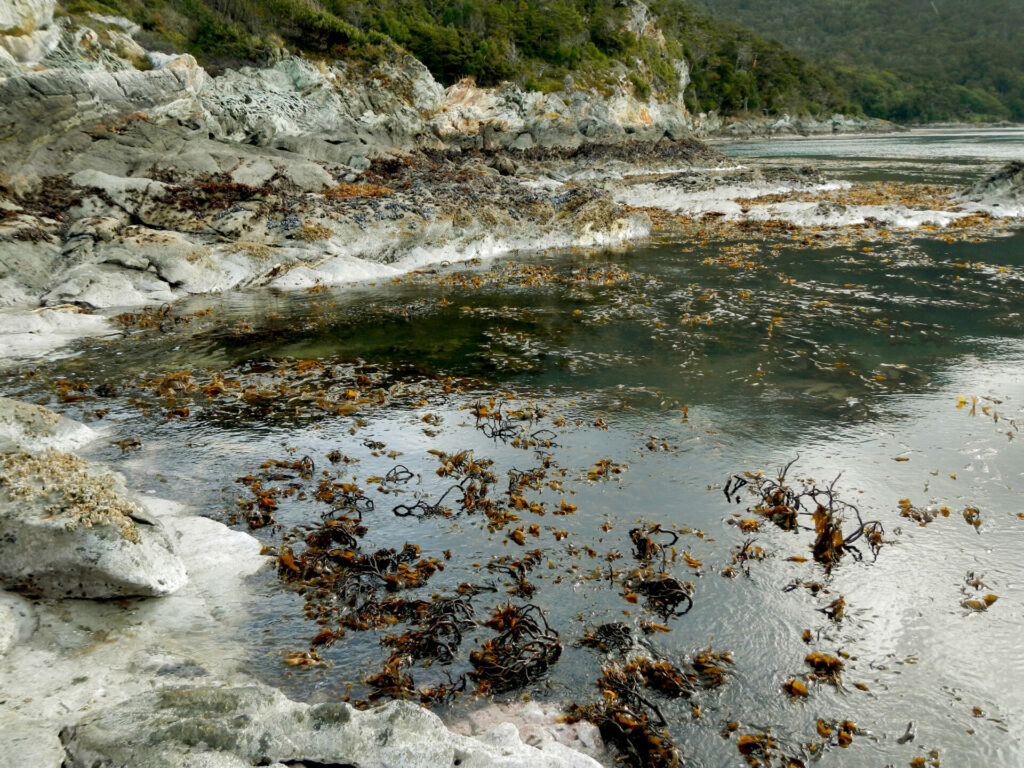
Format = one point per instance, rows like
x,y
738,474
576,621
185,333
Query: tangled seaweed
x,y
439,634
782,503
645,546
523,651
666,595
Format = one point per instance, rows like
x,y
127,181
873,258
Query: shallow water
x,y
683,371
934,155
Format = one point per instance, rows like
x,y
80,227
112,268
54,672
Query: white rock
x,y
24,334
16,621
8,64
68,529
192,635
26,742
251,724
131,194
77,656
14,293
539,725
103,286
20,17
8,628
254,172
116,21
34,428
32,47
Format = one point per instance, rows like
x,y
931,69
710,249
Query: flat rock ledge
x,y
240,727
69,529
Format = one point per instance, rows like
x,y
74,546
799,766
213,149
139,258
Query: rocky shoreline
x,y
132,178
120,646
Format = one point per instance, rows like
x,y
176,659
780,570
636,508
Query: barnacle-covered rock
x,y
69,529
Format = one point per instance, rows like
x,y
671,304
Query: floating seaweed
x,y
518,569
666,595
398,474
523,651
441,623
607,637
423,509
645,546
781,502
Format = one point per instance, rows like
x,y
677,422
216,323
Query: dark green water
x,y
850,360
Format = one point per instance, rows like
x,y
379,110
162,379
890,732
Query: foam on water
x,y
346,269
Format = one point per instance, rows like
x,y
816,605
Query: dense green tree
x,y
907,60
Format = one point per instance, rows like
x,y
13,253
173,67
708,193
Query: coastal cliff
x,y
132,177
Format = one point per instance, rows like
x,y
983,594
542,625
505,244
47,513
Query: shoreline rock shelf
x,y
238,727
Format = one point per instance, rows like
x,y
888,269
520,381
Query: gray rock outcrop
x,y
69,529
1002,189
238,727
322,112
31,427
132,178
789,125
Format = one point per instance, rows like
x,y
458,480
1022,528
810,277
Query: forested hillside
x,y
535,43
905,60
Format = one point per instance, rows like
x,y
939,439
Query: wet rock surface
x,y
146,234
538,724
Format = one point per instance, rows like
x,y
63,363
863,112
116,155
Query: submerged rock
x,y
68,529
257,725
538,724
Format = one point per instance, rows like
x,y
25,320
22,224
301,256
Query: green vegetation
x,y
737,72
535,43
905,60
